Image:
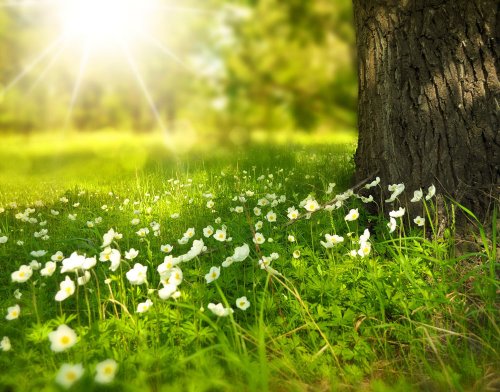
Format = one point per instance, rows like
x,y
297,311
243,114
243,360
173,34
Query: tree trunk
x,y
429,96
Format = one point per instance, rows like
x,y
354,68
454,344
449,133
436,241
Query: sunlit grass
x,y
411,313
106,159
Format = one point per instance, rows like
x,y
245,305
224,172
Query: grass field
x,y
247,268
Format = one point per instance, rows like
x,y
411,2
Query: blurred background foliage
x,y
246,66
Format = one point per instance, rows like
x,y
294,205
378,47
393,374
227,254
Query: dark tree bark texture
x,y
429,96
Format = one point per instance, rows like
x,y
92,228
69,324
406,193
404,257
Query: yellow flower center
x,y
71,376
108,370
65,340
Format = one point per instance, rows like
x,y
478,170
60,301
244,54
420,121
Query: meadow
x,y
127,264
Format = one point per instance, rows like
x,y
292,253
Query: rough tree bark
x,y
429,96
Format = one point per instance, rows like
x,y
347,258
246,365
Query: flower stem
x,y
35,306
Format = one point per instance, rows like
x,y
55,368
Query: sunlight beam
x,y
76,89
100,26
33,64
142,84
48,67
154,41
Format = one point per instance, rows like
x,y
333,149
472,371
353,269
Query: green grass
x,y
414,314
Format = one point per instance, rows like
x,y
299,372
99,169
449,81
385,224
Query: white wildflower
x,y
167,291
417,196
68,374
419,221
242,303
49,269
131,254
106,370
220,235
241,253
109,237
430,192
332,240
137,275
58,256
66,289
142,233
213,274
175,277
396,190
22,275
166,248
219,310
208,231
84,279
259,239
5,344
364,249
397,214
112,255
13,312
352,215
311,205
143,307
392,224
373,183
365,236
271,216
62,338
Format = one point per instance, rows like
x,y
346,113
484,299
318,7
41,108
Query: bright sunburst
x,y
100,27
106,21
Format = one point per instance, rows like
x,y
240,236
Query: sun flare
x,y
106,21
94,36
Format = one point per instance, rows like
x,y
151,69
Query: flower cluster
x,y
69,373
154,275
